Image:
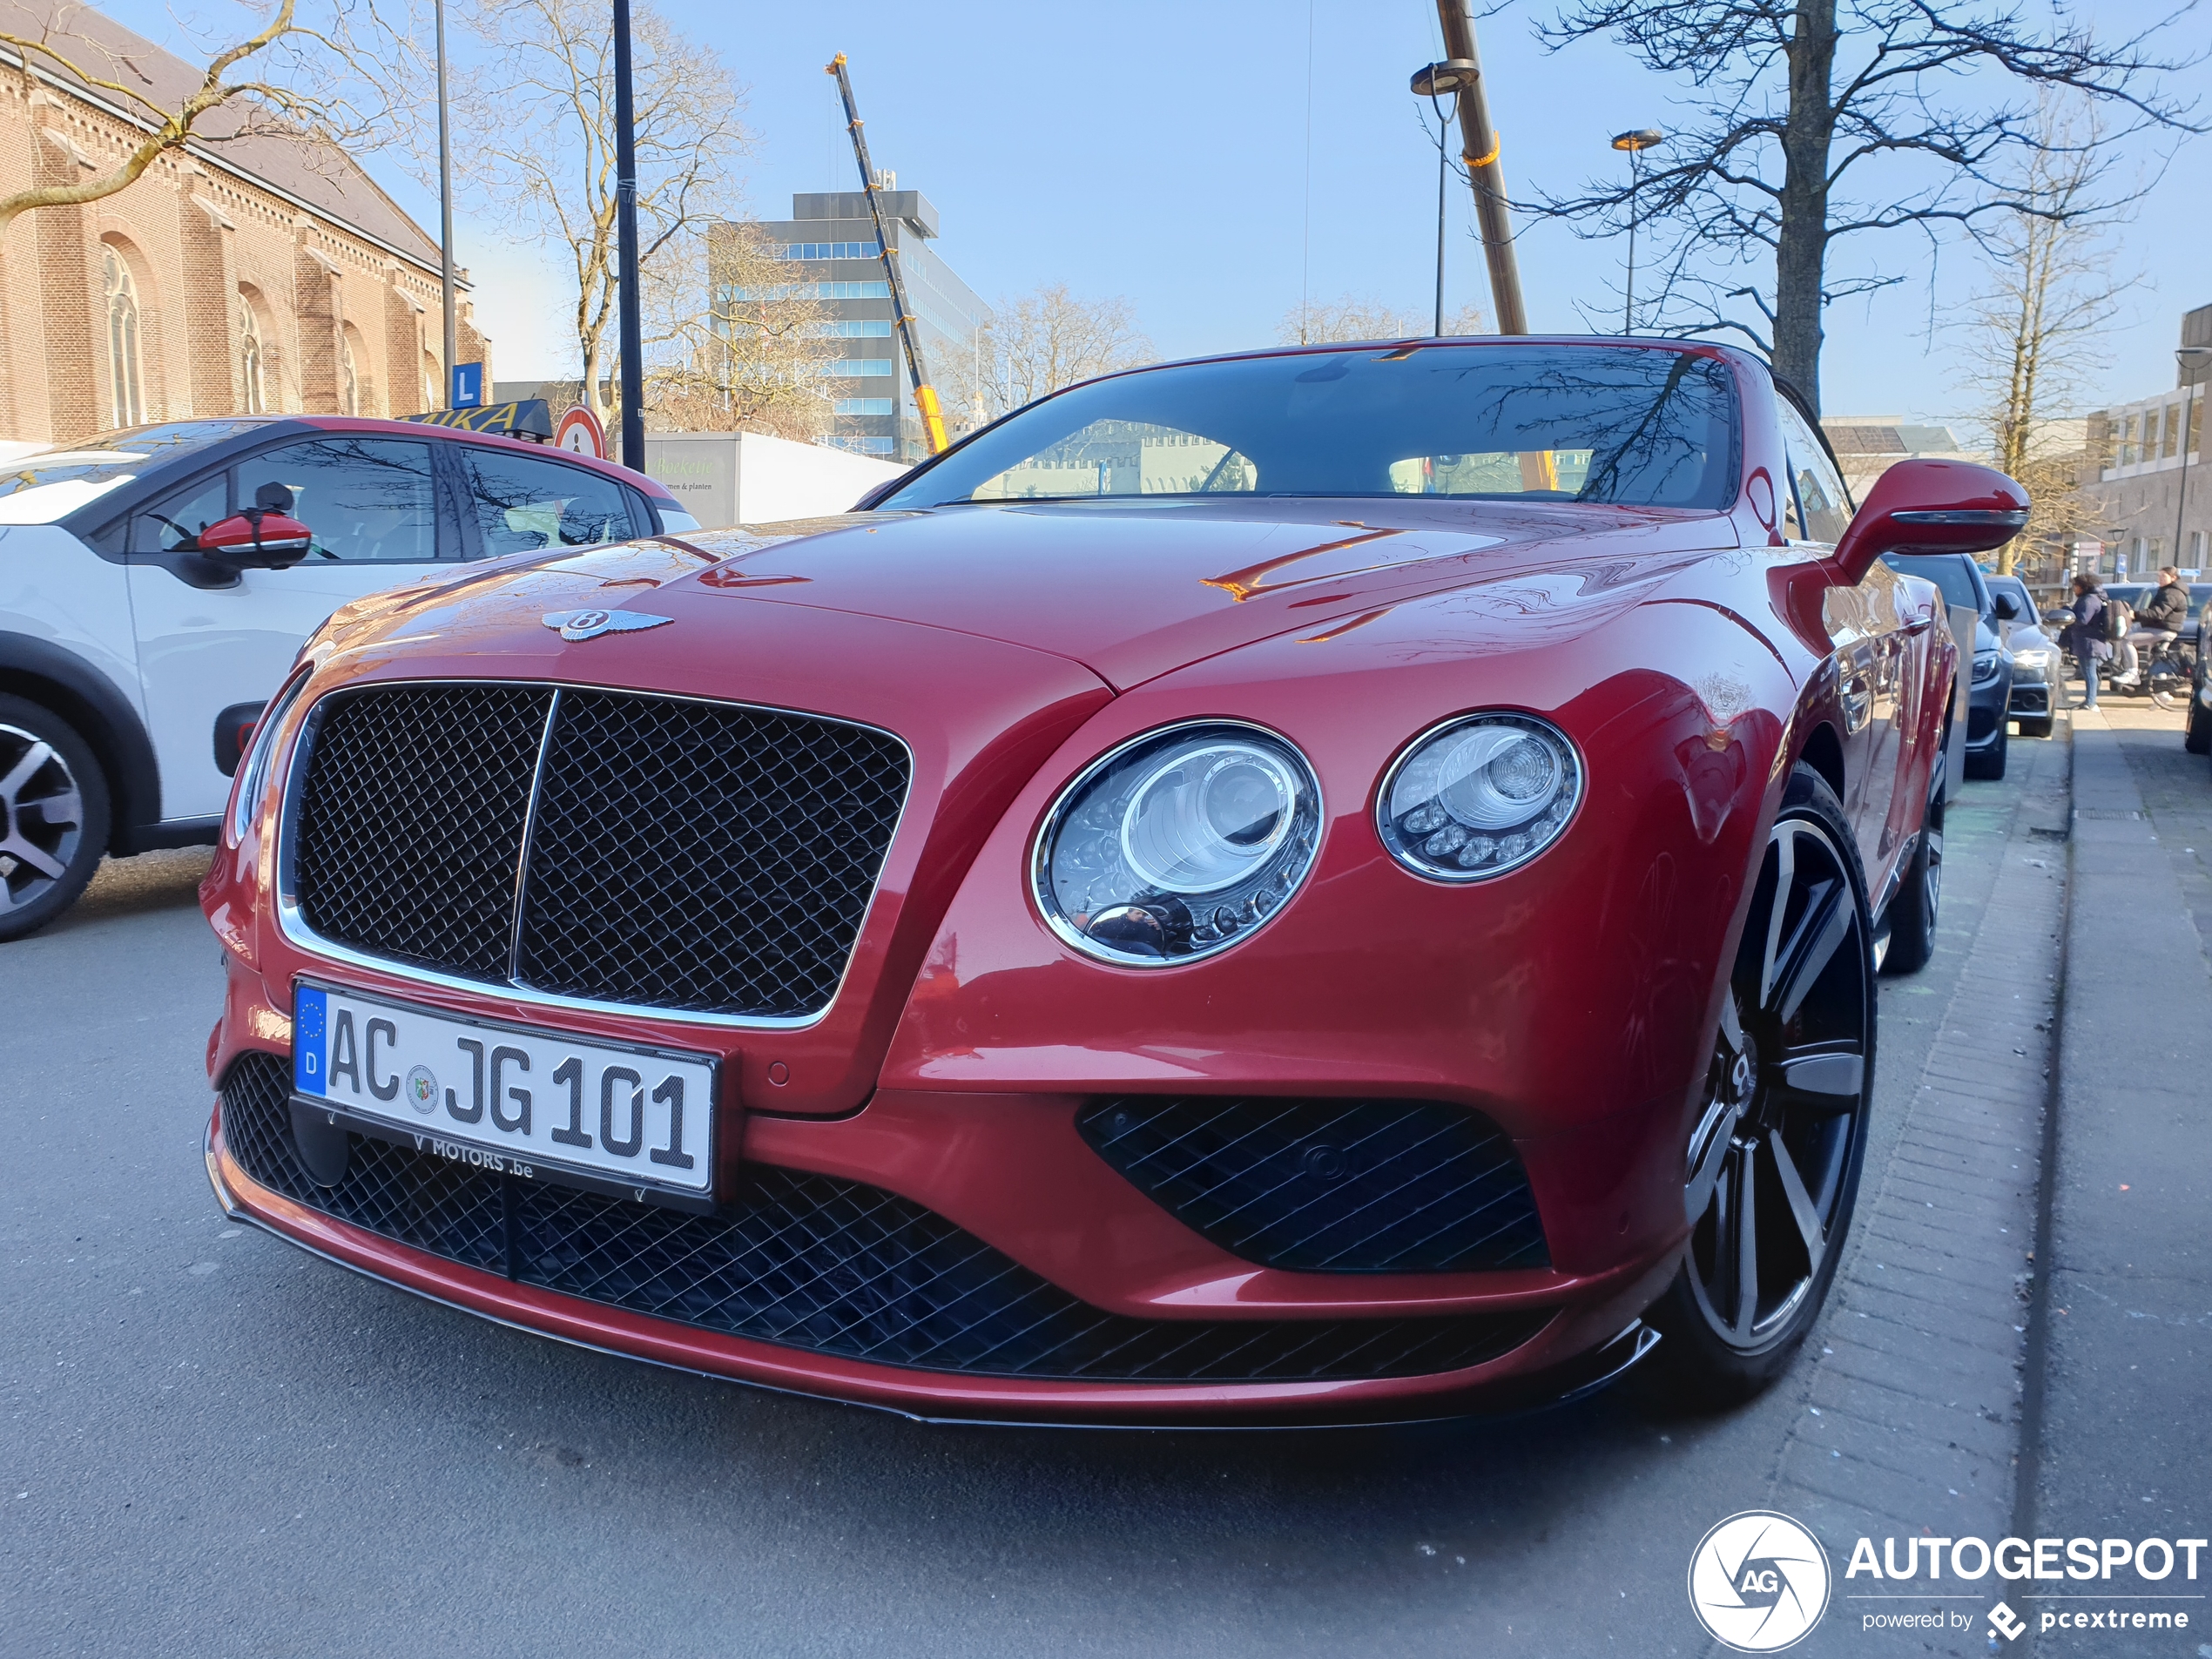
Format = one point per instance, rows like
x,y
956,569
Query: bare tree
x,y
1813,121
536,129
747,343
289,74
1040,342
1359,317
2034,332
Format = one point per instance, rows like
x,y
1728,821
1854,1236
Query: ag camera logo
x,y
1758,1582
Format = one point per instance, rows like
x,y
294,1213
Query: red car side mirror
x,y
1932,506
257,538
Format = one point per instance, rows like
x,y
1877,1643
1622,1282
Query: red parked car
x,y
1323,885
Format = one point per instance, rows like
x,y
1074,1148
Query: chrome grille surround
x,y
296,916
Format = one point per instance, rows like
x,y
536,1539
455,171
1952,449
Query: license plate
x,y
541,1105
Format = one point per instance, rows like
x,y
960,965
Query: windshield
x,y
50,484
1646,427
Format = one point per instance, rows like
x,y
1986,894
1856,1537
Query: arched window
x,y
122,339
249,359
349,384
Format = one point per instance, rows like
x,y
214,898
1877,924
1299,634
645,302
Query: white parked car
x,y
156,583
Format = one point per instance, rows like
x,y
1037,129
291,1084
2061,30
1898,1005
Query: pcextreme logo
x,y
1758,1582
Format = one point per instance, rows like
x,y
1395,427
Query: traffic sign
x,y
580,433
468,392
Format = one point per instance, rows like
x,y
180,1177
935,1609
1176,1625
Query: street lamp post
x,y
2188,357
632,344
1436,83
445,214
1635,144
1479,145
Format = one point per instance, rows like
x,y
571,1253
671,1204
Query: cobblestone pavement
x,y
217,1443
2117,1447
1912,1407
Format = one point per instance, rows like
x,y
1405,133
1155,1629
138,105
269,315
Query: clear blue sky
x,y
1160,152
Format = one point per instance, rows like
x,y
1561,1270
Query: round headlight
x,y
1178,844
1478,796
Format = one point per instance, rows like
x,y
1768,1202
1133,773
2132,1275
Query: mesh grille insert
x,y
410,824
703,856
829,1266
1373,1186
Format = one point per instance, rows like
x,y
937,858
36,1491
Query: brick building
x,y
260,274
2144,456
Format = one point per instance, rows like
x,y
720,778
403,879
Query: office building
x,y
1867,446
829,245
2146,455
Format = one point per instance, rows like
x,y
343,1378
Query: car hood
x,y
1133,590
1127,593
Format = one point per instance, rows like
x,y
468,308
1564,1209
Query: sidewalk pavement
x,y
1910,1418
2120,1444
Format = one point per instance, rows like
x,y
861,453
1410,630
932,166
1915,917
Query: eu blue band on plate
x,y
310,1015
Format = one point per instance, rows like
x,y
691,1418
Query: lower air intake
x,y
1339,1186
807,1261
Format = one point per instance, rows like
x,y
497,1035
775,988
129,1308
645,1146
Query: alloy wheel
x,y
42,818
1768,1183
1932,833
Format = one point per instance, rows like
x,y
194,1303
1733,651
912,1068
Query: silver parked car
x,y
2035,661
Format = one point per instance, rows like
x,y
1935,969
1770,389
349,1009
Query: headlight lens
x,y
254,771
1985,664
2036,657
1478,796
1178,845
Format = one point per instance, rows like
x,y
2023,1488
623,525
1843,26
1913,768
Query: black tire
x,y
2196,736
1796,1092
53,816
1989,764
2036,728
1919,891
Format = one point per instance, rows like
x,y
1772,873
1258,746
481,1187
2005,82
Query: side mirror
x,y
1932,506
234,729
256,539
2008,609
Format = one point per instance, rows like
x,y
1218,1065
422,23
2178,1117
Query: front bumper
x,y
863,1273
1987,709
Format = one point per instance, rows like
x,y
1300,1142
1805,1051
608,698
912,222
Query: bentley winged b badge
x,y
589,624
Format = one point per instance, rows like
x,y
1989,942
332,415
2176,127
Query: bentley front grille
x,y
608,846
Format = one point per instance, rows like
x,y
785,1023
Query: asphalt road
x,y
217,1444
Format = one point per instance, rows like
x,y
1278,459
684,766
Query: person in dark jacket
x,y
2084,635
2166,609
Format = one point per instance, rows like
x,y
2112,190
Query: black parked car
x,y
1990,699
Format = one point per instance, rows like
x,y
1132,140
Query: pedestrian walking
x,y
2084,636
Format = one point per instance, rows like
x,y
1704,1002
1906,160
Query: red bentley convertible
x,y
1317,886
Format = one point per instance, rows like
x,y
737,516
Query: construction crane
x,y
926,405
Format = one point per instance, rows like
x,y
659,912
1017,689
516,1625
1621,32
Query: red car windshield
x,y
1632,425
